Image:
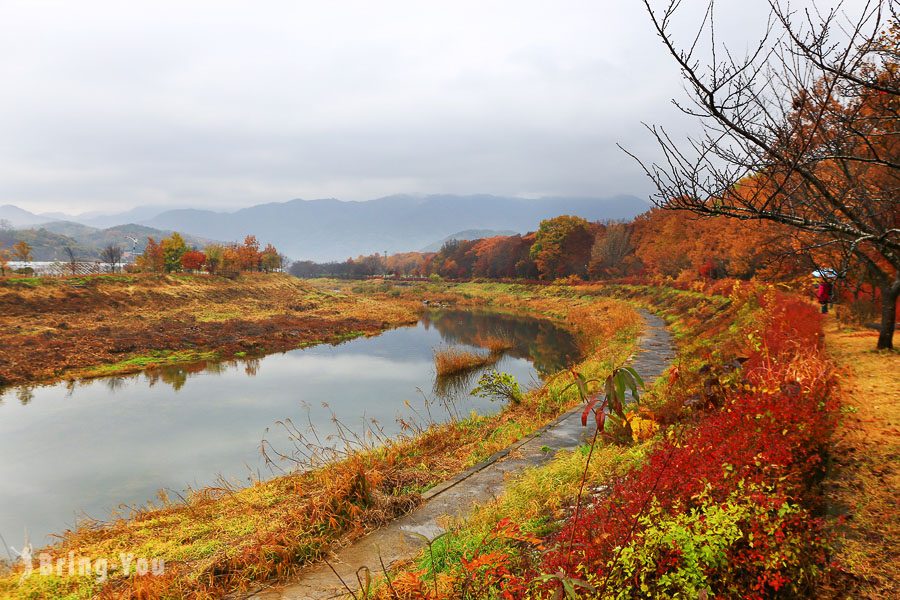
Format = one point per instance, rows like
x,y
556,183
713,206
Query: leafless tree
x,y
802,130
73,261
111,254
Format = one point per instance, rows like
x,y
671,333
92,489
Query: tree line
x,y
172,254
658,243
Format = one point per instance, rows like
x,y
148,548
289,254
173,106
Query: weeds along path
x,y
405,537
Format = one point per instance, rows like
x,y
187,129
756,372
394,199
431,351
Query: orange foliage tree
x,y
152,259
562,246
802,131
193,260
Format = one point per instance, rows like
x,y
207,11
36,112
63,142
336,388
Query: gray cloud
x,y
107,105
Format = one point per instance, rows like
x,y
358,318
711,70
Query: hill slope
x,y
468,234
335,230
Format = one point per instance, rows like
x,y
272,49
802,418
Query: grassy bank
x,y
863,486
112,324
223,539
723,502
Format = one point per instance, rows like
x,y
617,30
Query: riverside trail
x,y
404,537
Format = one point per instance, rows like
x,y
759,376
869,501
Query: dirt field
x,y
77,327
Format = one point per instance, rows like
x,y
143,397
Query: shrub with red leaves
x,y
768,435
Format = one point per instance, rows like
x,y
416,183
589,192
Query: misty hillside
x,y
120,235
46,245
468,234
335,230
17,217
49,241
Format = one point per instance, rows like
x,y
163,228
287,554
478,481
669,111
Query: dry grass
x,y
71,326
450,361
865,481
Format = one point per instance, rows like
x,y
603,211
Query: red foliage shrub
x,y
767,435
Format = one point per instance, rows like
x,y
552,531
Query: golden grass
x,y
450,361
865,483
77,327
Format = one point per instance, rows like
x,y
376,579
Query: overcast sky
x,y
109,105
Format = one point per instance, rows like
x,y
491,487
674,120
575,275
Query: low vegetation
x,y
450,361
722,501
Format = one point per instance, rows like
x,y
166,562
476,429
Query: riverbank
x,y
724,501
452,501
223,539
77,327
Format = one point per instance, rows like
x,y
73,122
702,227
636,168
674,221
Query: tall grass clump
x,y
449,361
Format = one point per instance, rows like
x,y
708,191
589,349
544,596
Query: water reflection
x,y
545,345
85,447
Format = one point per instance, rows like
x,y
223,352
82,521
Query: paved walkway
x,y
398,540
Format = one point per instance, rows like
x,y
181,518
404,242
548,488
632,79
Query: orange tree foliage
x,y
504,257
669,243
193,260
249,254
269,259
815,148
152,258
172,254
406,264
562,246
657,243
22,251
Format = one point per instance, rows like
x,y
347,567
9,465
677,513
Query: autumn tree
x,y
232,257
213,253
406,264
153,258
562,246
22,251
270,259
249,254
173,248
4,261
612,254
193,260
801,131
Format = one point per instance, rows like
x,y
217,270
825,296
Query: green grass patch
x,y
30,282
156,358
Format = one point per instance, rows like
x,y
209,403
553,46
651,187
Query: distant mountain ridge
x,y
331,229
48,241
468,235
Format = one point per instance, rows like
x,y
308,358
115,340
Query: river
x,y
95,447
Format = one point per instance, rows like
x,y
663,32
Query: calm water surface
x,y
88,449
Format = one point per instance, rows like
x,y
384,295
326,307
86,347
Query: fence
x,y
59,269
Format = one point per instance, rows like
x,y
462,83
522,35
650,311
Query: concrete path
x,y
399,540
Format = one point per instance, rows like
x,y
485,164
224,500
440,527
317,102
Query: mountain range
x,y
331,229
